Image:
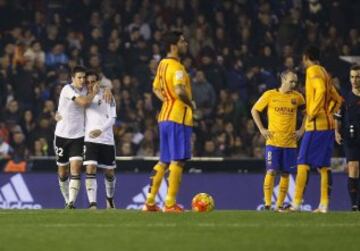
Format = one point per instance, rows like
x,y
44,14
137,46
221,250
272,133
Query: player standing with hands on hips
x,y
281,135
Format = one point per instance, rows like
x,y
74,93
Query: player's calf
x,y
110,182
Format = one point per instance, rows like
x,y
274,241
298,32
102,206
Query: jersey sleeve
x,y
318,82
339,114
112,109
301,102
336,100
156,82
262,102
179,76
70,93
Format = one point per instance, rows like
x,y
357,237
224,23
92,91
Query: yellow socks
x,y
300,183
159,172
325,186
174,183
268,188
283,189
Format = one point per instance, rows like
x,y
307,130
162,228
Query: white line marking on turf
x,y
201,225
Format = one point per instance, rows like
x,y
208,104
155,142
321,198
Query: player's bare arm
x,y
58,116
158,94
300,132
85,101
256,116
181,93
107,96
338,136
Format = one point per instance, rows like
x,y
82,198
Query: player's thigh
x,y
289,160
76,149
180,142
273,157
352,152
106,156
316,148
61,150
164,142
91,153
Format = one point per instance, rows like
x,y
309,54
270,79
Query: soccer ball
x,y
202,202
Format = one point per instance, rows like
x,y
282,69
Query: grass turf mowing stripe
x,y
134,230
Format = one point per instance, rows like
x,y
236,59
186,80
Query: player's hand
x,y
299,133
311,118
338,138
107,95
266,133
193,107
95,133
95,88
58,117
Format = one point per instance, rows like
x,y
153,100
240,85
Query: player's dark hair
x,y
312,52
355,67
78,69
93,73
171,38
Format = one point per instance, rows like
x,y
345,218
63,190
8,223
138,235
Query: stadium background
x,y
236,50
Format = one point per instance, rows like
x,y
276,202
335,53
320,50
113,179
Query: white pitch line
x,y
200,225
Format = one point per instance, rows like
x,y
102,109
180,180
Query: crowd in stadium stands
x,y
236,50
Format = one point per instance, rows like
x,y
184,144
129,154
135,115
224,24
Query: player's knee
x,y
284,174
353,167
75,166
271,172
91,169
162,165
178,163
110,176
63,171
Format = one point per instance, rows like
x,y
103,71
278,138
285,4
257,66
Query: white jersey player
x,y
99,144
69,133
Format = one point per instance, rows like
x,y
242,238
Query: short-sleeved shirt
x,y
96,115
171,73
72,123
322,99
282,116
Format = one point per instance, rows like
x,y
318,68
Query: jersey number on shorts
x,y
59,151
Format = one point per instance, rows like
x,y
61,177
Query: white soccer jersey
x,y
97,116
72,122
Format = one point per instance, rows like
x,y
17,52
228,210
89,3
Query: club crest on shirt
x,y
179,75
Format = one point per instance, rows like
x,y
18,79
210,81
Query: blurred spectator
x,y
56,57
210,149
12,114
203,95
5,151
240,46
19,155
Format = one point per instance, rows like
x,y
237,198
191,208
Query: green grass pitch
x,y
219,230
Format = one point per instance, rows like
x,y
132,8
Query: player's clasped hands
x,y
298,134
95,88
266,133
338,138
95,133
